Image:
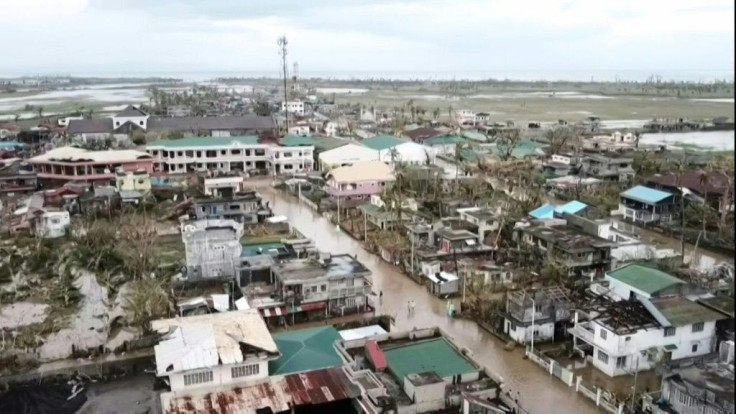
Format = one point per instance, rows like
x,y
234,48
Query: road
x,y
539,393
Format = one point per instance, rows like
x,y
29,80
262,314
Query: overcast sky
x,y
88,36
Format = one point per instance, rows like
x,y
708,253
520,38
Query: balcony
x,y
350,292
583,333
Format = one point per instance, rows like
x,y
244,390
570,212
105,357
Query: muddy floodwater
x,y
539,393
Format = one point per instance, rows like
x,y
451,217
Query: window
x,y
621,362
244,371
670,331
603,357
698,327
140,122
198,378
603,333
323,288
695,348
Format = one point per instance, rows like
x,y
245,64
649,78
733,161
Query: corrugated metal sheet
x,y
311,388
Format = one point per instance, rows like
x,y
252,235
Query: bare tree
x,y
558,138
506,141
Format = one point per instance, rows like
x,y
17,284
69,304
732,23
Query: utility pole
x,y
633,388
534,311
282,43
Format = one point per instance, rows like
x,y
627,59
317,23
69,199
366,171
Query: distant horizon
x,y
521,75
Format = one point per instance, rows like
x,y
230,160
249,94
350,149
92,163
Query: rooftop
x,y
205,142
679,311
548,211
713,182
280,394
130,111
715,376
362,171
444,140
644,278
72,154
202,341
338,266
382,142
722,304
568,238
305,350
262,248
433,355
645,194
624,317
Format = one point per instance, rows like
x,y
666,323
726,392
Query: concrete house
x,y
358,181
52,224
212,249
634,334
242,207
139,180
535,313
219,349
608,167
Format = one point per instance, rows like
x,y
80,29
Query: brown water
x,y
540,393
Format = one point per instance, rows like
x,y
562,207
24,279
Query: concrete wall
x,y
221,375
523,335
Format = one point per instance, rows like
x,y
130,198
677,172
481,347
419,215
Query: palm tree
x,y
436,113
40,111
704,181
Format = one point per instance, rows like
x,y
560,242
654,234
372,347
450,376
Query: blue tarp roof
x,y
645,194
573,207
547,210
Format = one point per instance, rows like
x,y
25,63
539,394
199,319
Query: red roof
x,y
716,182
375,355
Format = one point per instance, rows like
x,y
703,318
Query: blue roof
x,y
546,211
11,144
573,207
645,194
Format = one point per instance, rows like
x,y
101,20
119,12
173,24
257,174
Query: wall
x,y
221,375
523,335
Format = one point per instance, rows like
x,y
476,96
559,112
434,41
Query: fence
x,y
598,395
304,199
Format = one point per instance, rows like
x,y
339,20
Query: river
x,y
540,393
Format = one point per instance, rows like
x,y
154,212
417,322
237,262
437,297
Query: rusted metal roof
x,y
279,393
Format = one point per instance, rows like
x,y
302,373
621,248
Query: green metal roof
x,y
320,143
298,141
382,142
436,355
523,148
682,312
647,279
444,140
305,350
378,212
475,136
252,249
205,142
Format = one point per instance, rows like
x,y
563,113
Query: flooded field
x,y
704,141
539,392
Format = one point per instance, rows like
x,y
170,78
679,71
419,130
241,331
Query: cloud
x,y
453,36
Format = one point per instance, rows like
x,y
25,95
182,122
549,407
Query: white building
x,y
53,224
347,154
65,121
301,130
643,319
226,154
132,115
212,248
393,150
464,116
213,349
293,107
216,186
138,180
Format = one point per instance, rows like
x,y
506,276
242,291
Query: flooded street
x,y
539,392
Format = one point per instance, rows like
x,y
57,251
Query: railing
x,y
585,334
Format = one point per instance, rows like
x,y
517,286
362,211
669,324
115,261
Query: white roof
x,y
202,341
362,332
362,171
71,154
449,277
348,153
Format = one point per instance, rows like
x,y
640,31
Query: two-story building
x,y
212,249
646,205
330,284
16,180
608,167
485,219
293,107
346,155
636,334
229,154
615,142
535,314
218,349
70,164
561,165
358,181
139,180
244,207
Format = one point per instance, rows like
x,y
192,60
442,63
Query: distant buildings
x,y
133,119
